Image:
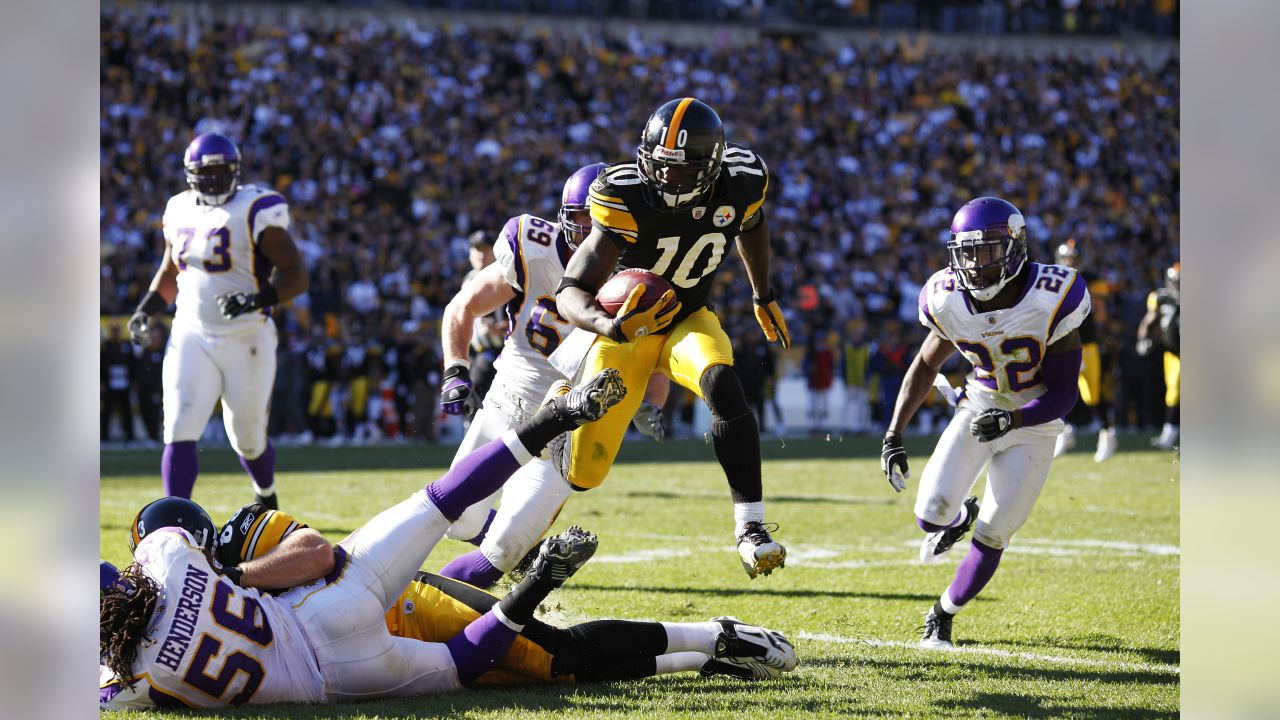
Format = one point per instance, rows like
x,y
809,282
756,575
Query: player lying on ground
x,y
272,549
530,256
1016,322
176,632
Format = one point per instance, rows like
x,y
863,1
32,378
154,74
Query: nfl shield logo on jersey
x,y
724,216
698,212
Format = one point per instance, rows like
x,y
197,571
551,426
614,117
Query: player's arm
x,y
288,279
1145,335
934,352
484,293
304,555
589,267
1060,373
160,295
753,246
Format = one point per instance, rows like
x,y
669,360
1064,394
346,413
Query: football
x,y
614,292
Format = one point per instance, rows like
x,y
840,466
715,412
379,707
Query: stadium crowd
x,y
394,144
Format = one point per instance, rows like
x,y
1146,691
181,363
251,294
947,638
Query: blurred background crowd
x,y
397,142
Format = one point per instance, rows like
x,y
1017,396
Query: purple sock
x,y
974,573
479,646
473,568
929,527
479,538
262,468
474,478
179,466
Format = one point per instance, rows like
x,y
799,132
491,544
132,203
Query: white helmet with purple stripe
x,y
988,246
212,165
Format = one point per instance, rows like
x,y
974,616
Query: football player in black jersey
x,y
1094,402
1160,330
673,212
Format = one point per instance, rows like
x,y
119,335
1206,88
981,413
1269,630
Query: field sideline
x,y
1081,621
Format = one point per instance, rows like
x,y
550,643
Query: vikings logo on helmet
x,y
212,165
573,201
988,246
680,154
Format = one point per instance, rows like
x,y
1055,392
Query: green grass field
x,y
1081,620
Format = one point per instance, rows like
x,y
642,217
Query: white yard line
x,y
992,652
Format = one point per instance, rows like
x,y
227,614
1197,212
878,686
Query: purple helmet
x,y
987,235
574,199
212,164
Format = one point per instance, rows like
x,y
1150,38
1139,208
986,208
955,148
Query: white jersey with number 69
x,y
532,253
215,248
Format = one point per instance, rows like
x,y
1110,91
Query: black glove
x,y
991,424
457,397
893,461
139,326
234,304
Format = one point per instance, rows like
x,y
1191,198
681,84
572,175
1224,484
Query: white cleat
x,y
759,552
1066,441
750,652
1168,437
1107,444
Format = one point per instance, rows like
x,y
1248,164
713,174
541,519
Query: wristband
x,y
268,296
151,303
764,300
568,281
233,573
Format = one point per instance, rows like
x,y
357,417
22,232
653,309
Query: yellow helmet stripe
x,y
676,117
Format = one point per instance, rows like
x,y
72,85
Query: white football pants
x,y
1019,465
345,620
239,369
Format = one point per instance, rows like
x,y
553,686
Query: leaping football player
x,y
530,257
672,212
1017,322
228,258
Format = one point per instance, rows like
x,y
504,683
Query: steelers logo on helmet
x,y
988,246
680,154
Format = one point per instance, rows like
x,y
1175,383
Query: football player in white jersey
x,y
1017,323
228,258
530,256
180,630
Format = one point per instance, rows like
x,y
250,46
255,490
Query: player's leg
x,y
941,509
248,365
1172,402
531,500
592,448
192,384
699,356
1018,472
493,418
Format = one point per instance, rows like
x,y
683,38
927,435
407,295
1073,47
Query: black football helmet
x,y
680,153
173,512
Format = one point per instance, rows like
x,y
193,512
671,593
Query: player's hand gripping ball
x,y
640,302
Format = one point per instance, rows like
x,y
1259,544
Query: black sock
x,y
523,599
734,432
937,609
539,430
1173,415
608,649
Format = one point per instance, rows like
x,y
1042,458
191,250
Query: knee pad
x,y
722,391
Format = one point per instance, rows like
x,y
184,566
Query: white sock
x,y
679,662
945,602
744,513
699,637
264,492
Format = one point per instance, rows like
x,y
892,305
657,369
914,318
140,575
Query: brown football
x,y
614,292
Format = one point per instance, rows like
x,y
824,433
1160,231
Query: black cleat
x,y
935,545
937,629
559,557
588,401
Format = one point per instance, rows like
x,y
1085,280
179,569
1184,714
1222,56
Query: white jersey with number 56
x,y
215,248
532,253
1007,346
211,643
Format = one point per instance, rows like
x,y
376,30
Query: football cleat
x,y
588,401
1107,444
936,632
749,652
1066,441
935,545
1168,437
759,552
560,556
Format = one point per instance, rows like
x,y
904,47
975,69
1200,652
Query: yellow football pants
x,y
696,344
1172,380
436,614
1091,374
